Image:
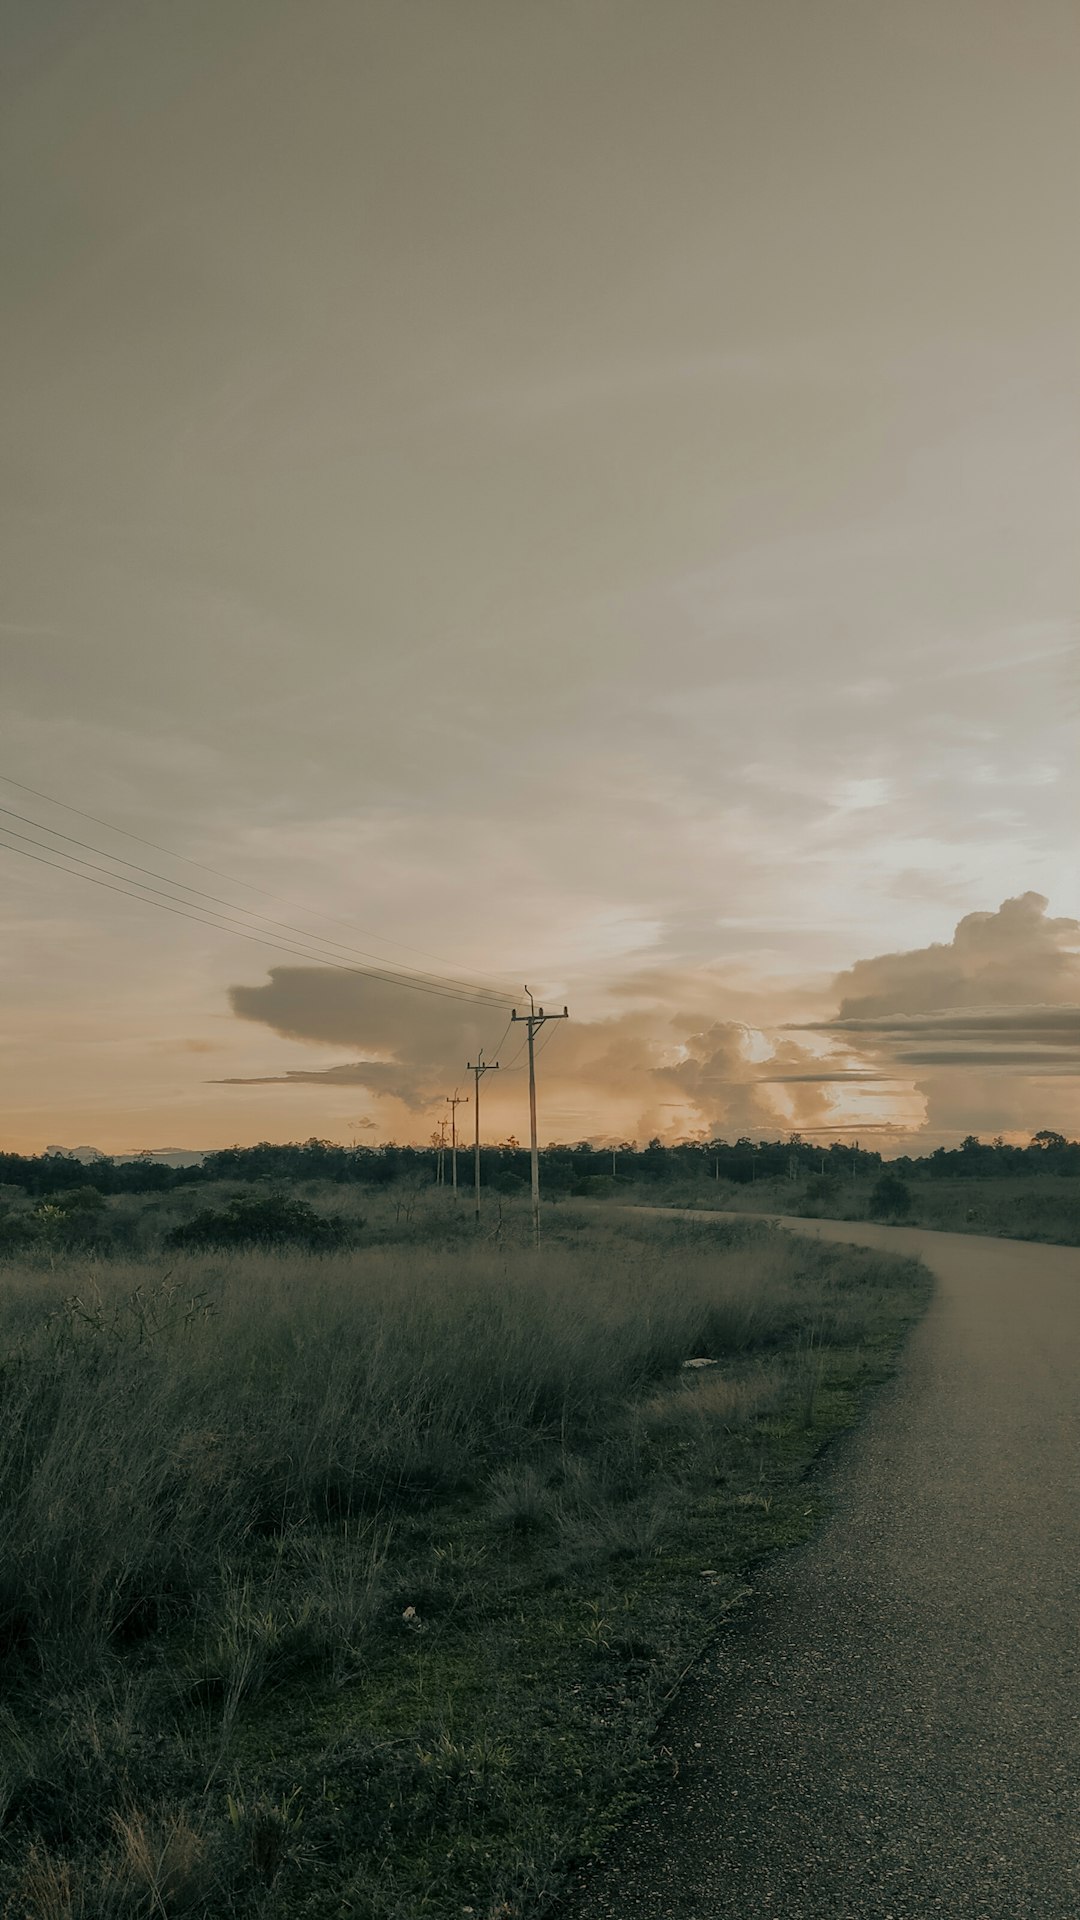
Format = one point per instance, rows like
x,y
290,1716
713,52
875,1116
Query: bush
x,y
78,1200
63,1223
890,1198
16,1231
271,1220
593,1186
822,1193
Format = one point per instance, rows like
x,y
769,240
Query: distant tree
x,y
890,1198
1047,1138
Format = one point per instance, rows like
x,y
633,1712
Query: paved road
x,y
893,1732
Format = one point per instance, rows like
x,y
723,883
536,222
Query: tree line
x,y
582,1166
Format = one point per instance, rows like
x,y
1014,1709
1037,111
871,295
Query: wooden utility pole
x,y
533,1020
478,1071
454,1101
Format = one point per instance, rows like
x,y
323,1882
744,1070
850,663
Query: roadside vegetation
x,y
1035,1207
1027,1192
354,1581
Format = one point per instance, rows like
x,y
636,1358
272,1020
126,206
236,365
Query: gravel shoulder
x,y
892,1729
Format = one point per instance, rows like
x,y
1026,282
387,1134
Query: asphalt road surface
x,y
892,1732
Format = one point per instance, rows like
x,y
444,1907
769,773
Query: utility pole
x,y
533,1020
454,1101
438,1141
478,1071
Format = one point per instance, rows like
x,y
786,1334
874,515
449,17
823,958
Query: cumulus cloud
x,y
655,1067
961,1035
980,1021
1016,957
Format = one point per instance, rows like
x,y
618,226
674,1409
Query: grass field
x,y
1036,1207
354,1584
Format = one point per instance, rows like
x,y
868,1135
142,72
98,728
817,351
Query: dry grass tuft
x,y
161,1860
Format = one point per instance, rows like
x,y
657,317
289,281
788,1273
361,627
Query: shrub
x,y
270,1220
60,1224
78,1200
890,1198
822,1193
16,1231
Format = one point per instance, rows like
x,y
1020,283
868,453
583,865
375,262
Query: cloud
x,y
634,1069
1016,956
962,1034
979,1022
837,1078
375,1075
411,1042
1008,1020
1032,1059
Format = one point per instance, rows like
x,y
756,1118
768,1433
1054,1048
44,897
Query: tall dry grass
x,y
153,1417
216,1472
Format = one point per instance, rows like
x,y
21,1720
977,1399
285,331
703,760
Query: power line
x,y
511,1066
126,834
216,899
502,1036
547,1038
259,939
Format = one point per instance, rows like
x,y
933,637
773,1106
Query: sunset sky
x,y
582,493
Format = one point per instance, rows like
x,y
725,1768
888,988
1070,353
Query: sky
x,y
579,493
